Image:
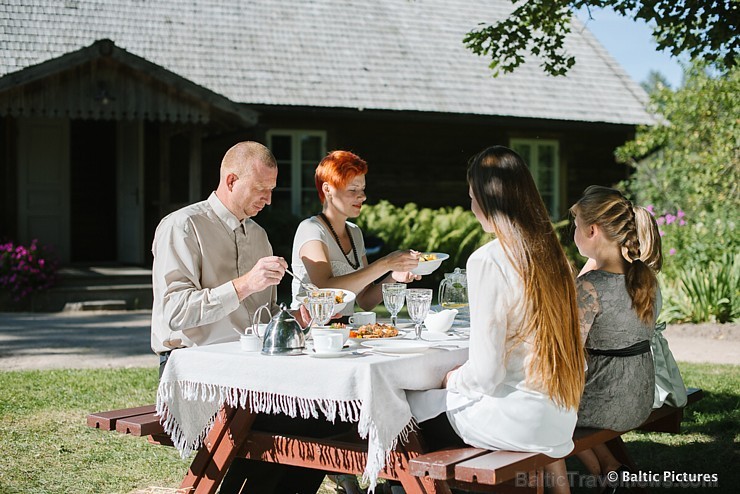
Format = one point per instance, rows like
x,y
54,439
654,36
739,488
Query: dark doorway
x,y
93,191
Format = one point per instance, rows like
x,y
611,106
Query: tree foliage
x,y
692,161
703,29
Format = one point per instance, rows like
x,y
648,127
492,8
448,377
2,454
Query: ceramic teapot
x,y
283,335
453,290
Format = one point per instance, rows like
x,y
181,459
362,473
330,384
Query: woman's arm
x,y
493,305
588,306
315,258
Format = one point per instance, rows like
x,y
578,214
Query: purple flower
x,y
681,222
650,209
660,220
669,218
662,233
672,252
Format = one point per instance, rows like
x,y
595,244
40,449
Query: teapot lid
x,y
284,314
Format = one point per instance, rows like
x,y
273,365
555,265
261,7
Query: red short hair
x,y
338,169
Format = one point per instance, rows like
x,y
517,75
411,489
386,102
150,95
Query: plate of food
x,y
375,331
398,346
342,298
429,262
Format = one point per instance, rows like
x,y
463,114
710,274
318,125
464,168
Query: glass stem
x,y
394,319
418,331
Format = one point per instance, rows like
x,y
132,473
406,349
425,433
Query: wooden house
x,y
115,112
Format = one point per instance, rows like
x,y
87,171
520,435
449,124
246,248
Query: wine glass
x,y
321,306
418,301
393,296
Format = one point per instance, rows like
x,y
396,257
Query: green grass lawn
x,y
45,446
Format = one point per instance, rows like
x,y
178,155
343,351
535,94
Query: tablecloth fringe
x,y
258,402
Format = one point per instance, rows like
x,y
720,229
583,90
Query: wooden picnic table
x,y
221,381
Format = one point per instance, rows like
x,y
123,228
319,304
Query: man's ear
x,y
230,179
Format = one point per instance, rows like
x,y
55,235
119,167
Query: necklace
x,y
355,264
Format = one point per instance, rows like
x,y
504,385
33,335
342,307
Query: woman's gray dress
x,y
619,390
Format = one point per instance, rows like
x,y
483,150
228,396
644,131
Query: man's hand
x,y
267,272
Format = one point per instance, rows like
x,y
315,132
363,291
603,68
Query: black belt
x,y
637,349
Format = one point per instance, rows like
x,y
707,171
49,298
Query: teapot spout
x,y
308,326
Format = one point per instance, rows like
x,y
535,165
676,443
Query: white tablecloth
x,y
367,389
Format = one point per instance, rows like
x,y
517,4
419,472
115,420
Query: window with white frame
x,y
297,153
542,158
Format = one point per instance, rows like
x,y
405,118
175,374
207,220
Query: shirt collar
x,y
223,212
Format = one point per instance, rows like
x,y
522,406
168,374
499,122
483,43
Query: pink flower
x,y
680,214
650,209
669,218
681,222
672,252
660,220
662,233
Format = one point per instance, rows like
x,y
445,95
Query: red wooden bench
x,y
468,468
480,470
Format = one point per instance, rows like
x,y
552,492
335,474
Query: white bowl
x,y
440,322
428,267
349,298
317,330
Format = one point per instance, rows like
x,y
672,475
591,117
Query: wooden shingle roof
x,y
384,54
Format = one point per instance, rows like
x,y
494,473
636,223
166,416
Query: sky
x,y
630,42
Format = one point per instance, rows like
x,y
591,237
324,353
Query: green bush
x,y
706,293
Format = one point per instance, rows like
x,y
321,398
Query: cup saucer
x,y
315,354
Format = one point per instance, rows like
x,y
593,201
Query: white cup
x,y
261,327
250,343
360,318
328,343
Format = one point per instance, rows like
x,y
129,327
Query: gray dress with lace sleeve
x,y
619,390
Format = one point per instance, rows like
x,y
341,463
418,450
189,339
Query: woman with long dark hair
x,y
521,386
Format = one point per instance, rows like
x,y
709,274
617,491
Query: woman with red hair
x,y
329,251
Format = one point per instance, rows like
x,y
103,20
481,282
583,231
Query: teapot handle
x,y
256,319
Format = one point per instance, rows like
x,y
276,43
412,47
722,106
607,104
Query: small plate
x,y
327,354
428,267
393,345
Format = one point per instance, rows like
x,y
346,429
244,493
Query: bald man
x,y
213,265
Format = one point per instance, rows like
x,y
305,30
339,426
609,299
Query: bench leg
x,y
619,450
411,483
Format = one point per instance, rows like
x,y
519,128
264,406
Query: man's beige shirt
x,y
195,259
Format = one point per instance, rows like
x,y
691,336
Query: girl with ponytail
x,y
618,303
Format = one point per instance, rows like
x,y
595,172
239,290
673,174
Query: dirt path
x,y
121,339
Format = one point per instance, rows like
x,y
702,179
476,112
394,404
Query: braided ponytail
x,y
615,215
639,278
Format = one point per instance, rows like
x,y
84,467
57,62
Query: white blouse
x,y
314,229
487,400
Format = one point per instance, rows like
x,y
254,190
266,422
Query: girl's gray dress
x,y
619,389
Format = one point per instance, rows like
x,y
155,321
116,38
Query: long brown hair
x,y
615,215
507,195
